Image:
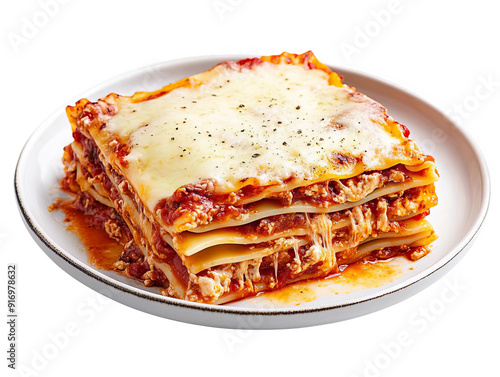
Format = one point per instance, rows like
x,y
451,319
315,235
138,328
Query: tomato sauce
x,y
102,251
354,277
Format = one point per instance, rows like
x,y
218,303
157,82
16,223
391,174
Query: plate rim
x,y
94,273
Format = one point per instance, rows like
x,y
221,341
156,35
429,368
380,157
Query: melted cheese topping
x,y
256,126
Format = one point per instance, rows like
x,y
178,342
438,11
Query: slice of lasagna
x,y
247,177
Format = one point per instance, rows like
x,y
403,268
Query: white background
x,y
442,51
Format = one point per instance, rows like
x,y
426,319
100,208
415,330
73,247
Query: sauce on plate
x,y
103,252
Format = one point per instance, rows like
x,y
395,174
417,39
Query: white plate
x,y
463,192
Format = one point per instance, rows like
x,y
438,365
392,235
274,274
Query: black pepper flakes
x,y
255,155
297,108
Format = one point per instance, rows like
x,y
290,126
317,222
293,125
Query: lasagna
x,y
247,177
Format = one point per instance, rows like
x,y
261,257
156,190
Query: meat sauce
x,y
87,219
102,251
224,207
